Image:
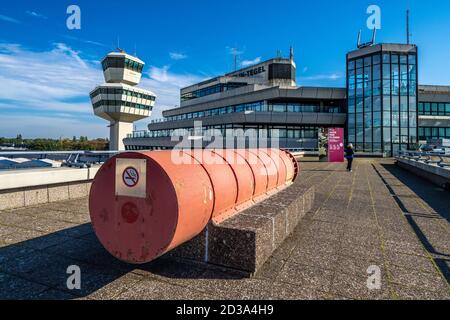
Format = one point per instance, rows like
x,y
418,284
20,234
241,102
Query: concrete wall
x,y
21,188
433,173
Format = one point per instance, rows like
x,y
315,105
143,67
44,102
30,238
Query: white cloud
x,y
166,85
9,19
177,56
85,41
35,14
59,80
247,63
332,76
47,80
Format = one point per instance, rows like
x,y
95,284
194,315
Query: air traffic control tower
x,y
119,100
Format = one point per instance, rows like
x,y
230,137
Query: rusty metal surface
x,y
184,190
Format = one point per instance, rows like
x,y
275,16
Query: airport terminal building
x,y
383,108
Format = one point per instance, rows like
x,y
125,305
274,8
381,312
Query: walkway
x,y
379,216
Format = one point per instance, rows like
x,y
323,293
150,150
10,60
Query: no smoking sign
x,y
131,177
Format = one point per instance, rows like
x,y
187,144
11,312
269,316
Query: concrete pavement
x,y
378,217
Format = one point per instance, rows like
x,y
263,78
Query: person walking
x,y
349,155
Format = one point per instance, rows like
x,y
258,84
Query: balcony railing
x,y
430,158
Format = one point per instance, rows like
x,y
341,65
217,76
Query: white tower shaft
x,y
118,131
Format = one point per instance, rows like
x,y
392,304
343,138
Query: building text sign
x,y
335,145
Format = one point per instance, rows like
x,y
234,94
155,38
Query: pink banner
x,y
335,145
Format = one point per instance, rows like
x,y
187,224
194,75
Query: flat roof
x,y
123,86
123,54
434,88
235,74
396,47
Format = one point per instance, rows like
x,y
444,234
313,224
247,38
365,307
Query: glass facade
x,y
382,102
122,62
262,106
119,103
434,109
428,133
220,87
231,130
122,92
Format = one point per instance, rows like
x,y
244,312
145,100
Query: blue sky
x,y
47,70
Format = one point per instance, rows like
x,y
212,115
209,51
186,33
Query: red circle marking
x,y
130,177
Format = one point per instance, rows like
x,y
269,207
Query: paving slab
x,y
378,215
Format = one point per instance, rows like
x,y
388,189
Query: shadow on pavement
x,y
37,268
437,198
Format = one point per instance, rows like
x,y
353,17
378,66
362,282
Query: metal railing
x,y
431,158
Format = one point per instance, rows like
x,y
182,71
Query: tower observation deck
x,y
118,100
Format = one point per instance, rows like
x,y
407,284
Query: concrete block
x,y
77,190
279,221
14,179
58,193
242,242
194,249
248,239
10,200
36,196
88,187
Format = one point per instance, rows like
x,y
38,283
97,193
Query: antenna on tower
x,y
374,35
234,52
366,44
408,35
291,53
279,54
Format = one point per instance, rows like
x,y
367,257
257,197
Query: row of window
x,y
403,85
373,103
427,133
387,58
383,136
122,62
386,147
434,109
118,103
385,119
122,92
305,107
283,132
385,87
394,71
220,87
259,106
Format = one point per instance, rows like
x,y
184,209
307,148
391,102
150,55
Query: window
x,y
279,108
351,65
394,58
376,59
359,63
